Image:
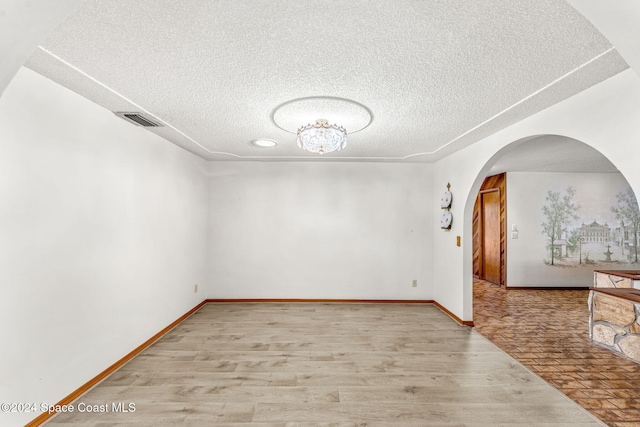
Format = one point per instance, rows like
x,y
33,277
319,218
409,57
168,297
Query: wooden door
x,y
490,235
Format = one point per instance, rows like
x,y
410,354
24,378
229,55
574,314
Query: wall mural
x,y
574,236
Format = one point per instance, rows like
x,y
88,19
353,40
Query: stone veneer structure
x,y
616,279
614,320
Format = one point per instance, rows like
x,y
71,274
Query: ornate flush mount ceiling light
x,y
328,119
322,137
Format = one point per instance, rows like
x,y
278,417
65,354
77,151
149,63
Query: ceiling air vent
x,y
139,119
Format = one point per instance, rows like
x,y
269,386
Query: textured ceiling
x,y
436,76
553,153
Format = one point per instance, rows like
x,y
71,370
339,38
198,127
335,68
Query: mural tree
x,y
559,210
628,213
574,242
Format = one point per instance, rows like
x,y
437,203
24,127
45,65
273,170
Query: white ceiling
x,y
553,153
436,75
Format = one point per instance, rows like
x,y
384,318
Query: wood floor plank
x,y
295,364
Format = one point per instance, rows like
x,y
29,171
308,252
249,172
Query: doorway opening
x,y
489,222
549,266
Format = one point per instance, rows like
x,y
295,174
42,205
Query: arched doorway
x,y
541,328
544,176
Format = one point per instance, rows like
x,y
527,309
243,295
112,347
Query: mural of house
x,y
595,232
623,235
560,248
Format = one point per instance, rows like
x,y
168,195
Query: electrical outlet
x,y
195,288
415,283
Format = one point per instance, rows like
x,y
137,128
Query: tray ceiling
x,y
435,76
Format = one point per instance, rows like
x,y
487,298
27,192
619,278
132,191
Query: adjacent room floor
x,y
547,331
274,364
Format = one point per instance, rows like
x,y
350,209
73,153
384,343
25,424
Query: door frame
x,y
481,242
491,183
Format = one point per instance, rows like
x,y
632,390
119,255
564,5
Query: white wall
x,y
320,230
595,194
604,117
102,229
23,25
619,22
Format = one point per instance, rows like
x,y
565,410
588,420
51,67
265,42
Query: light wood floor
x,y
300,364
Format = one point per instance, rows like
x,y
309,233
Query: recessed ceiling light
x,y
264,143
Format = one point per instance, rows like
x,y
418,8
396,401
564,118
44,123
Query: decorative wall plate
x,y
445,200
446,219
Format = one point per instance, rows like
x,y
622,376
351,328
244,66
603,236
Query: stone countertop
x,y
629,274
630,294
